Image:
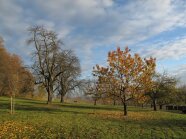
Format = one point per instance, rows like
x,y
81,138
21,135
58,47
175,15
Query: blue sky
x,y
93,27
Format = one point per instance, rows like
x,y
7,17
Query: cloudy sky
x,y
93,27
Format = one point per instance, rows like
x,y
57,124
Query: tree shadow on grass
x,y
174,124
56,107
164,123
38,108
45,109
4,106
174,111
21,100
32,102
90,107
139,109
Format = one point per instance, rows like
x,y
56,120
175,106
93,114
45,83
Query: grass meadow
x,y
34,119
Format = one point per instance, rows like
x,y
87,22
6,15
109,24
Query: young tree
x,y
45,66
92,88
11,78
128,73
106,82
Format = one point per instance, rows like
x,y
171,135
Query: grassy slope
x,y
35,119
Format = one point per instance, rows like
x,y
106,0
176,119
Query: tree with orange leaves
x,y
15,79
126,74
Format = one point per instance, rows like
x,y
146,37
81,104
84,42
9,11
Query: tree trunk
x,y
142,105
160,107
11,105
50,93
151,105
114,102
95,102
154,105
49,101
62,98
125,109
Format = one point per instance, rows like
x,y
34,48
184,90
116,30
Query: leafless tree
x,y
92,89
45,66
69,67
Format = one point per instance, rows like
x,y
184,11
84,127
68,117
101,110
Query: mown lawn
x,y
35,119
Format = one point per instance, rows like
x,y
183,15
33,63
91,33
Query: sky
x,y
91,28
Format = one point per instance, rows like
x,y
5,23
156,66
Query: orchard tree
x,y
106,82
129,74
181,94
69,67
141,98
4,62
162,90
92,89
45,65
26,80
12,78
13,73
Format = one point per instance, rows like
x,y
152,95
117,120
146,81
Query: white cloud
x,y
11,16
146,18
180,73
84,24
79,11
172,49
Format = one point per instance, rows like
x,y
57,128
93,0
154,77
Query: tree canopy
x,y
128,74
14,77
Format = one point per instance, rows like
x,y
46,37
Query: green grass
x,y
35,119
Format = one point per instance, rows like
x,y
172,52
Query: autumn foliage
x,y
14,78
126,76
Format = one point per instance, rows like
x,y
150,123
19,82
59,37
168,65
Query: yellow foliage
x,y
10,129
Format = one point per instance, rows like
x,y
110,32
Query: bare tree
x,y
69,67
46,52
92,89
